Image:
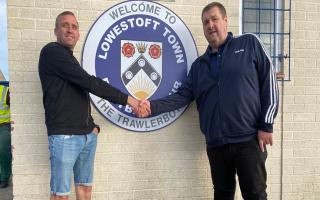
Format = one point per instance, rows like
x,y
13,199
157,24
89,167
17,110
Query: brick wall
x,y
169,163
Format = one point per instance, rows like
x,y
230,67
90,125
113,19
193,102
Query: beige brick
x,y
307,152
29,55
306,26
294,108
305,143
16,76
101,5
32,149
299,34
184,9
36,35
313,72
36,13
26,128
310,81
24,44
120,195
12,12
21,66
298,62
312,35
36,178
295,126
85,26
299,16
31,76
54,12
88,15
312,44
313,126
287,135
313,90
311,62
318,44
300,44
14,34
49,4
294,161
28,87
20,23
306,53
194,3
295,90
313,6
45,25
22,3
313,108
77,4
28,108
293,195
303,170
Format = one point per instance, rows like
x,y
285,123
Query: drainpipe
x,y
278,52
278,39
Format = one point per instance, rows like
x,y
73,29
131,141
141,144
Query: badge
x,y
145,50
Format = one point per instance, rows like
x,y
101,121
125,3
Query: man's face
x,y
214,27
67,31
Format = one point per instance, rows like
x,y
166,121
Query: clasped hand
x,y
141,108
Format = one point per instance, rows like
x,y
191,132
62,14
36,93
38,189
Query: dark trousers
x,y
5,152
244,159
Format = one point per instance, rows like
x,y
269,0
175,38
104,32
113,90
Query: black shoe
x,y
4,184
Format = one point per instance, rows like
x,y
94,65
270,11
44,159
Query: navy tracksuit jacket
x,y
236,103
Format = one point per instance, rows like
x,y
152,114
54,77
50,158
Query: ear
x,y
225,19
55,31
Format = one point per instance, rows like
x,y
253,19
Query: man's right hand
x,y
140,108
144,109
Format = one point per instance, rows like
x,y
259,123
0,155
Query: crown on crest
x,y
141,47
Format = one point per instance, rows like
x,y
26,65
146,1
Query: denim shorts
x,y
71,154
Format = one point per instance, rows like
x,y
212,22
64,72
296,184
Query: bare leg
x,y
83,192
55,197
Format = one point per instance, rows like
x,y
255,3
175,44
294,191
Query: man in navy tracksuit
x,y
235,88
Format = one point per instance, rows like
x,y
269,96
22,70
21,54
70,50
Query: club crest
x,y
141,67
145,50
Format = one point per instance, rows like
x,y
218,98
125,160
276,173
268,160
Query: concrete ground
x,y
6,193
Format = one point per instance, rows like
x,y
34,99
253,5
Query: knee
x,y
86,189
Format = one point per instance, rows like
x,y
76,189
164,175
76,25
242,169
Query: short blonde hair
x,y
63,14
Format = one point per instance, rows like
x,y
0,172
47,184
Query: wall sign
x,y
145,50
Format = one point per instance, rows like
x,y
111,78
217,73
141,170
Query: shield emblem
x,y
141,67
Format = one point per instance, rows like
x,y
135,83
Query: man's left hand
x,y
264,139
95,130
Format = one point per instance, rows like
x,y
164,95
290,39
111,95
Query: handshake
x,y
141,108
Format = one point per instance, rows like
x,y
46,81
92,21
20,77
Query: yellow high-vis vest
x,y
4,107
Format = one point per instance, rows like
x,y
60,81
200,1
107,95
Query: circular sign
x,y
145,50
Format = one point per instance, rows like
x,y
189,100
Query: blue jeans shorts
x,y
71,154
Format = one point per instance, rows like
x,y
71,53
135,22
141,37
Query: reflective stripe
x,y
3,94
4,108
4,116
